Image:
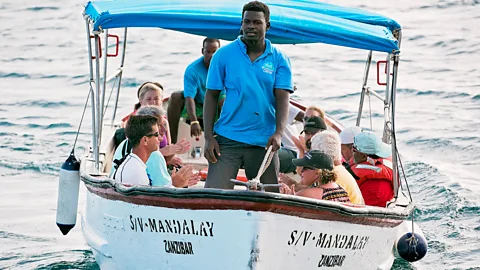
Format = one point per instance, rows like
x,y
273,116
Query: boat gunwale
x,y
217,199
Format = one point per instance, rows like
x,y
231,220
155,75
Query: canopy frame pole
x,y
104,85
364,87
396,61
120,75
92,95
98,107
386,103
393,139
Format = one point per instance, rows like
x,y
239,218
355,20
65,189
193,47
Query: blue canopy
x,y
292,21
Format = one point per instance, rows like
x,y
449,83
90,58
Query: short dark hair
x,y
139,126
210,40
257,6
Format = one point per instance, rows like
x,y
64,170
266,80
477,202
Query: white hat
x,y
347,134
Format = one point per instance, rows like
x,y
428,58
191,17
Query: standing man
x,y
189,102
142,132
257,79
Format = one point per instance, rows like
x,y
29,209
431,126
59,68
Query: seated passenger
x,y
150,93
319,177
346,137
328,142
372,171
156,165
142,132
311,126
288,151
190,100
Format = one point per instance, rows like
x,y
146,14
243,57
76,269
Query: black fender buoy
x,y
68,186
412,248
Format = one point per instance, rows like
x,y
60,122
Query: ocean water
x,y
43,87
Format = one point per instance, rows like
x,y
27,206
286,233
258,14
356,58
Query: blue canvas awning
x,y
292,21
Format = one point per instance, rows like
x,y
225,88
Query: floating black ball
x,y
411,248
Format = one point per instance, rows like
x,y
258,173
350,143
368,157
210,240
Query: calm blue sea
x,y
43,87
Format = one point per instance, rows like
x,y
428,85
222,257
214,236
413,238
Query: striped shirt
x,y
337,194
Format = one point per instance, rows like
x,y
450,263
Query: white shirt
x,y
290,128
132,171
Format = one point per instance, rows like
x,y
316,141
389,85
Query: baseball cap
x,y
347,134
315,159
314,124
369,143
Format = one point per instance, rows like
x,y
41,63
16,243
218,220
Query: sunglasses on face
x,y
156,134
308,169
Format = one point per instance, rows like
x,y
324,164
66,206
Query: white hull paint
x,y
130,236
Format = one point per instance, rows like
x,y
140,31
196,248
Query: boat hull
x,y
211,233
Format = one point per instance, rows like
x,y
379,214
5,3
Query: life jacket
x,y
380,169
375,180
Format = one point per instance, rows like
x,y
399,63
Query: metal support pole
x,y
386,104
92,94
120,76
98,107
396,180
364,87
104,89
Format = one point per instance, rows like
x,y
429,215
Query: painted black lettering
x,y
306,237
193,227
350,241
331,260
160,226
321,240
365,241
186,230
153,225
178,247
139,224
344,241
132,226
210,228
169,226
203,230
329,242
299,237
292,237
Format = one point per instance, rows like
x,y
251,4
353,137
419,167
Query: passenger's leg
x,y
226,168
253,160
285,157
174,110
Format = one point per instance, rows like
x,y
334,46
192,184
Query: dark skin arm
x,y
209,110
195,129
281,113
299,116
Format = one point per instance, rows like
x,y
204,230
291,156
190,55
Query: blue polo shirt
x,y
248,114
194,81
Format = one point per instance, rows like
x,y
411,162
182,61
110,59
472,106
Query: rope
x,y
81,120
265,163
370,109
110,96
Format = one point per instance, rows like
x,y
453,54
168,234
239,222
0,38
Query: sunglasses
x,y
156,134
308,169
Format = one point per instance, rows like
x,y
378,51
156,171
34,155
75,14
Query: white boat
x,y
195,228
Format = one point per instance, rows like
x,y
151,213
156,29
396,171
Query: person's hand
x,y
284,189
184,145
175,161
300,143
211,148
171,150
275,141
283,178
184,177
195,130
